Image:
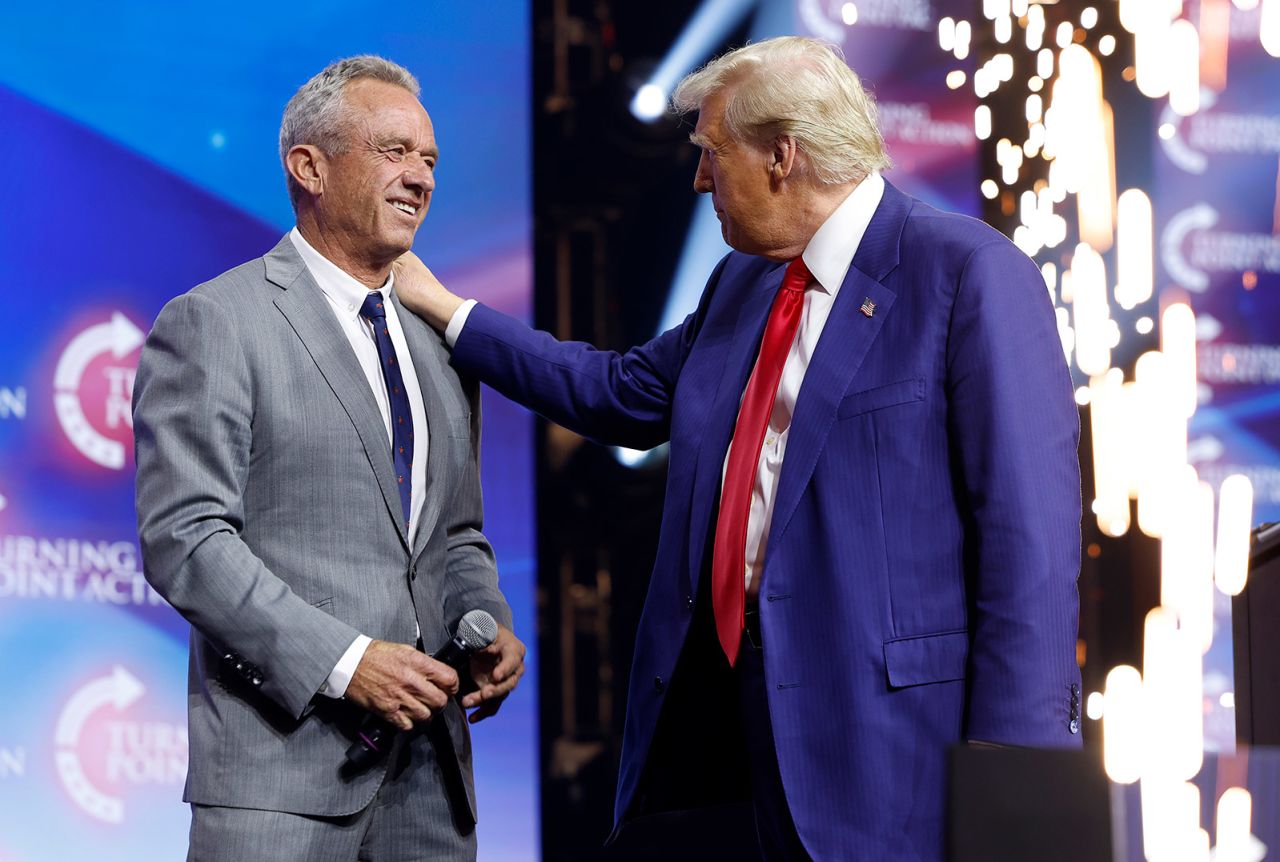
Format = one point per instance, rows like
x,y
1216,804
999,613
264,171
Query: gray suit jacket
x,y
268,515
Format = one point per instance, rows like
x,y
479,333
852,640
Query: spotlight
x,y
650,103
705,30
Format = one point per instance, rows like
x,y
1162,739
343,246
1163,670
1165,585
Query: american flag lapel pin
x,y
868,307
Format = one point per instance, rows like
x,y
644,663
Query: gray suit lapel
x,y
429,361
304,306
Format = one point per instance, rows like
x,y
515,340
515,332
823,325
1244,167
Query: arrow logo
x,y
1199,217
119,337
1178,150
119,690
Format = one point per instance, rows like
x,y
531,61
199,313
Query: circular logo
x,y
93,390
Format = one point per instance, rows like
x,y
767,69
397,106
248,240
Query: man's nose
x,y
419,177
702,177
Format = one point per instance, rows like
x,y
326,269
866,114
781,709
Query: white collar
x,y
344,291
830,253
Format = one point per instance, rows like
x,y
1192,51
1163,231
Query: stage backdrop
x,y
139,159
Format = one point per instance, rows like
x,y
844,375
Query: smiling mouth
x,y
405,207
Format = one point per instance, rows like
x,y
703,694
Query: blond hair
x,y
797,87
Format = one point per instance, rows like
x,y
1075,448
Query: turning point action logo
x,y
98,749
87,383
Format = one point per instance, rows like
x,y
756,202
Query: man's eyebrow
x,y
431,152
700,140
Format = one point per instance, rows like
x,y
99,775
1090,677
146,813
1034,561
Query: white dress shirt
x,y
828,256
345,296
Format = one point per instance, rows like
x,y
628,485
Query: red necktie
x,y
728,561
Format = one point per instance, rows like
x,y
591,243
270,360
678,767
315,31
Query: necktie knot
x,y
372,308
797,276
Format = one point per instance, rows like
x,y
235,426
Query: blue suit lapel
x,y
723,415
846,338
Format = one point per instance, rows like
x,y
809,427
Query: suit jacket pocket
x,y
900,392
925,659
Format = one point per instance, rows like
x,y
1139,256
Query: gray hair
x,y
317,113
797,87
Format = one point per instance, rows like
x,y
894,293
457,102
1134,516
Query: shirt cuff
x,y
459,320
336,685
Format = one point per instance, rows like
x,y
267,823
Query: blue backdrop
x,y
139,159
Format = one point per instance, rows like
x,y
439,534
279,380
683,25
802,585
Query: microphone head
x,y
477,629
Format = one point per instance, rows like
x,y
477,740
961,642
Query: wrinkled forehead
x,y
386,111
710,122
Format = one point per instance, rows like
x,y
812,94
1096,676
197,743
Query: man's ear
x,y
308,166
782,158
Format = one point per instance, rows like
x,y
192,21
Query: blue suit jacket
x,y
920,581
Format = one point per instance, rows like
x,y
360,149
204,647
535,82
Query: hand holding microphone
x,y
400,686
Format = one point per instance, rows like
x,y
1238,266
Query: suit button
x,y
658,683
688,602
1074,726
413,573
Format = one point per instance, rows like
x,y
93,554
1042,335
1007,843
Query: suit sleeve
x,y
470,568
1015,429
619,399
193,410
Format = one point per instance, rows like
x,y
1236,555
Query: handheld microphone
x,y
476,630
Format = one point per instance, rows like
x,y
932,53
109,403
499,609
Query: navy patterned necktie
x,y
398,398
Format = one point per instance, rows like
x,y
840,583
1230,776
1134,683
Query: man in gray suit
x,y
309,499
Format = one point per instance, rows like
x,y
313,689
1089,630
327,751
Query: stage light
x,y
1144,325
1171,821
849,14
1108,420
964,32
629,457
650,103
1035,108
1152,59
1134,257
1107,45
1235,825
705,30
982,122
1049,272
1215,36
1186,569
1173,689
1044,63
989,189
1089,18
1004,29
1123,725
1089,310
1035,28
1235,514
1183,67
947,34
1269,28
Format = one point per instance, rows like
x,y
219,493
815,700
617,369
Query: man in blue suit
x,y
870,540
